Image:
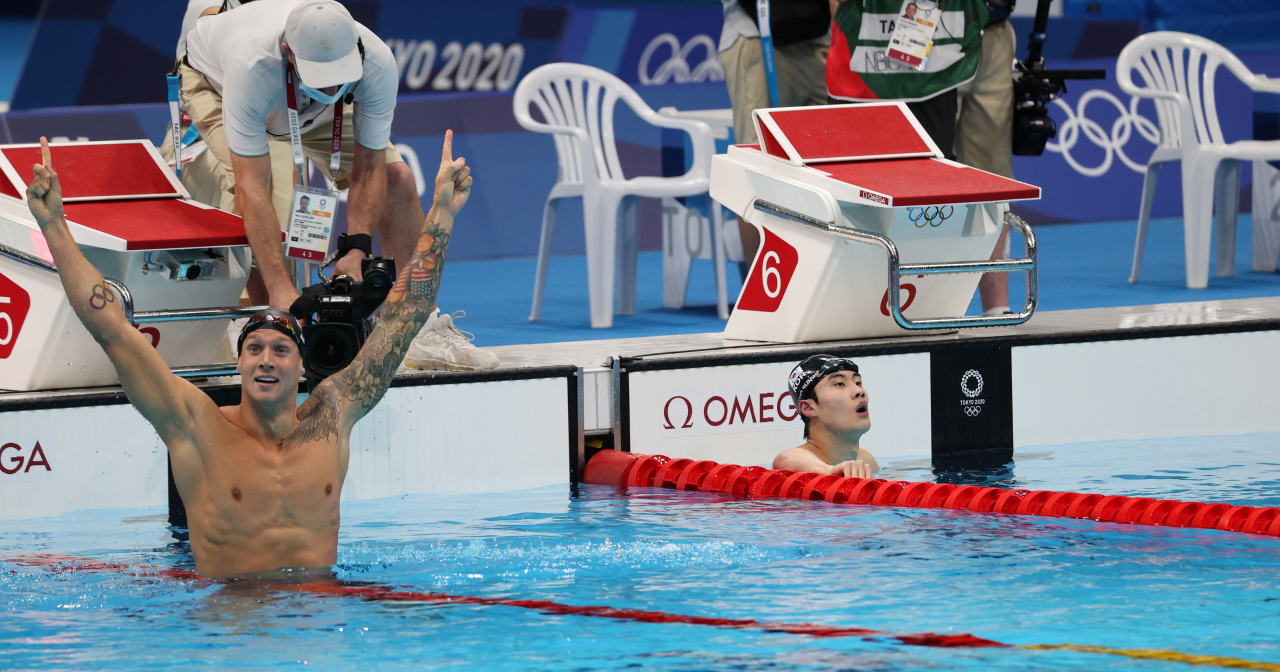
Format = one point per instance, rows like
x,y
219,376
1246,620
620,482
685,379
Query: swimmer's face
x,y
270,364
842,404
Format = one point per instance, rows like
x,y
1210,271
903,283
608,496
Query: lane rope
x,y
613,467
373,592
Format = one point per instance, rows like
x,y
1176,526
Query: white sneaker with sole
x,y
441,346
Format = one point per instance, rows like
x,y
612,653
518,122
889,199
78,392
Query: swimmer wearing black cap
x,y
833,405
261,480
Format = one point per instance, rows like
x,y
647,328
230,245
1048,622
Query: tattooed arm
x,y
348,395
163,399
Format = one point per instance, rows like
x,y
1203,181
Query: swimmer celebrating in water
x,y
261,480
833,405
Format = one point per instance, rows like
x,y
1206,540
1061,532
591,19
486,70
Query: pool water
x,y
1015,579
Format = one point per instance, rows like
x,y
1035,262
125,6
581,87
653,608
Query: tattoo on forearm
x,y
100,296
365,381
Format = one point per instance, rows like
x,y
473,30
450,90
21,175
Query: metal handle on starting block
x,y
179,315
897,269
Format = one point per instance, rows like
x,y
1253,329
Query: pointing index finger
x,y
44,153
446,155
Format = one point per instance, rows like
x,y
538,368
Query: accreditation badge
x,y
311,223
913,31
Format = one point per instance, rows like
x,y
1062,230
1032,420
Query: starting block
x,y
137,225
866,230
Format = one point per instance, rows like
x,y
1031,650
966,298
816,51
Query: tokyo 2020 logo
x,y
972,407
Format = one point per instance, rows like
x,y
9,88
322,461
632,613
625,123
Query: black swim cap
x,y
807,373
276,320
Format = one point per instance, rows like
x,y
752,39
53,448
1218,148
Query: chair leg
x,y
600,218
544,256
1144,218
628,224
717,258
676,259
1264,242
1227,211
1197,218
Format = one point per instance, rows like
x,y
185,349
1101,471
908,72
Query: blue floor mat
x,y
1081,266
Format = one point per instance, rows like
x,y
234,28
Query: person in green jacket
x,y
859,68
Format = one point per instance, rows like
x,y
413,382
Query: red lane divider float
x,y
380,593
612,467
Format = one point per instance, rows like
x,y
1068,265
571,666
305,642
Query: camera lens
x,y
330,348
378,280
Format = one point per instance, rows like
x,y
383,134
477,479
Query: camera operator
x,y
984,129
305,76
801,33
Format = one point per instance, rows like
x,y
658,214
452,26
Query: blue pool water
x,y
1018,580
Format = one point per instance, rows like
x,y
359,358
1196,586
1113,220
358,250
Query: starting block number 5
x,y
8,321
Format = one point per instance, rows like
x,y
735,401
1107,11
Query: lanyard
x,y
766,45
175,122
295,137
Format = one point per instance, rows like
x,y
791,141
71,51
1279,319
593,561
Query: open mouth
x,y
862,408
266,379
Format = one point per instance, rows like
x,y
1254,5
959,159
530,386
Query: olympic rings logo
x,y
932,215
1113,143
677,65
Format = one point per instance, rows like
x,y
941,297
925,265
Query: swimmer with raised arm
x,y
832,402
261,481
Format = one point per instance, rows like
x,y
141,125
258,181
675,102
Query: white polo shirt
x,y
194,9
239,53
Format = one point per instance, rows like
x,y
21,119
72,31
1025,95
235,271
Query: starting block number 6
x,y
771,271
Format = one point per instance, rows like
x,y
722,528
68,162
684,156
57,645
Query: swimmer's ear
x,y
808,407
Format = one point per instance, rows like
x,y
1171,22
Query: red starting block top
x,y
97,171
121,196
159,224
826,133
914,182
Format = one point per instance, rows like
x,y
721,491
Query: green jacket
x,y
858,68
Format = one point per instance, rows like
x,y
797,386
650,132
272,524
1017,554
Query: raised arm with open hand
x,y
163,399
347,396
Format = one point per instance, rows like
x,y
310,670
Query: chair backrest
x,y
1178,71
577,103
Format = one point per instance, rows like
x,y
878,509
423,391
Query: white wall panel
x,y
1151,388
99,457
452,439
897,387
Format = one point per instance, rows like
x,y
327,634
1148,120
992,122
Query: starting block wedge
x,y
135,223
866,230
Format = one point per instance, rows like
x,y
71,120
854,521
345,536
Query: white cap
x,y
322,36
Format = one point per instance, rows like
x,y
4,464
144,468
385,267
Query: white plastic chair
x,y
577,101
1178,72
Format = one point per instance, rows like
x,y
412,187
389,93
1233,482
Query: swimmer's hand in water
x,y
852,469
44,194
453,181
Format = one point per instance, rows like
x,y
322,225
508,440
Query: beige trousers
x,y
802,80
984,127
